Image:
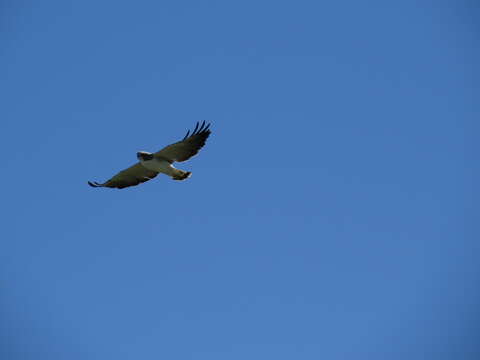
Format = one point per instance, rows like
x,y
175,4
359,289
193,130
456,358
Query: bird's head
x,y
144,156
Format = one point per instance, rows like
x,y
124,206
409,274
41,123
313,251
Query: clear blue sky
x,y
330,215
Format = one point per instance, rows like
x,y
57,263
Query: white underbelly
x,y
160,166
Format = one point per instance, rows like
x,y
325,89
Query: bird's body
x,y
150,165
165,167
158,165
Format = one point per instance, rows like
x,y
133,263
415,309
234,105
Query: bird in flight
x,y
150,165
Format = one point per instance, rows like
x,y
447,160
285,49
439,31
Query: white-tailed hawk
x,y
150,165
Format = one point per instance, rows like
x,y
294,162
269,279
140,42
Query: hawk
x,y
150,165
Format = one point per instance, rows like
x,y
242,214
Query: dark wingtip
x,y
93,184
196,127
201,126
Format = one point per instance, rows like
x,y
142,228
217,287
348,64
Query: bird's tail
x,y
181,175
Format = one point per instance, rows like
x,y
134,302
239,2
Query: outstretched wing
x,y
134,175
188,147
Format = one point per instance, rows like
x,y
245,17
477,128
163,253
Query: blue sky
x,y
330,215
